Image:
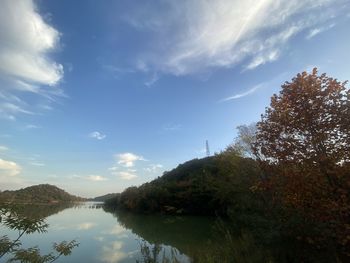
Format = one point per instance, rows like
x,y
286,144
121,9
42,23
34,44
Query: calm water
x,y
118,237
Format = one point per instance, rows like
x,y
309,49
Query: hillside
x,y
43,193
207,186
103,198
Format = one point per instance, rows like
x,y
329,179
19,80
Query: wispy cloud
x,y
115,69
154,78
31,126
318,30
128,159
96,178
86,225
127,175
270,83
91,177
113,168
153,168
262,59
244,94
97,135
224,33
37,164
171,127
9,168
10,108
25,62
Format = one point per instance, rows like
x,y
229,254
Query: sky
x,y
97,96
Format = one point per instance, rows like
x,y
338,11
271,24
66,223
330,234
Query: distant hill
x,y
42,193
208,186
103,198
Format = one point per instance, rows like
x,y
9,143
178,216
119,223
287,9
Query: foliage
x,y
302,144
43,193
103,198
205,186
24,225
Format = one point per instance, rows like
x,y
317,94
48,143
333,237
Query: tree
x,y
303,146
243,144
307,123
24,225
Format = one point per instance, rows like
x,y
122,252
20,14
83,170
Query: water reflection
x,y
114,252
189,235
40,211
123,237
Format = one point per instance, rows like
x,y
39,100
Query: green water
x,y
119,236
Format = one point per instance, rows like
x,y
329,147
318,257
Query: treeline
x,y
209,186
102,198
38,194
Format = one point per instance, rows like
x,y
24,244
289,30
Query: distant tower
x,y
207,148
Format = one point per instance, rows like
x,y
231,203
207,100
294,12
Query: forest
x,y
287,177
38,194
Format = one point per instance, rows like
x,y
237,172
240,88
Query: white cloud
x,y
128,159
97,135
113,253
127,175
26,40
25,64
9,168
223,33
96,178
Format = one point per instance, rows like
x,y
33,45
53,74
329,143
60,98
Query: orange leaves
x,y
307,120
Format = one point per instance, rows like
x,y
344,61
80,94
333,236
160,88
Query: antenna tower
x,y
207,148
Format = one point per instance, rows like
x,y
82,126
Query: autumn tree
x,y
303,145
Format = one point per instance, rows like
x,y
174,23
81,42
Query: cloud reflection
x,y
86,225
113,253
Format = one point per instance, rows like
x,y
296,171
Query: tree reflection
x,y
157,254
191,239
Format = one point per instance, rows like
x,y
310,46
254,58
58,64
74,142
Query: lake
x,y
119,236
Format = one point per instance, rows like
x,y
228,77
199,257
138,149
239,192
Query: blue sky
x,y
96,96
